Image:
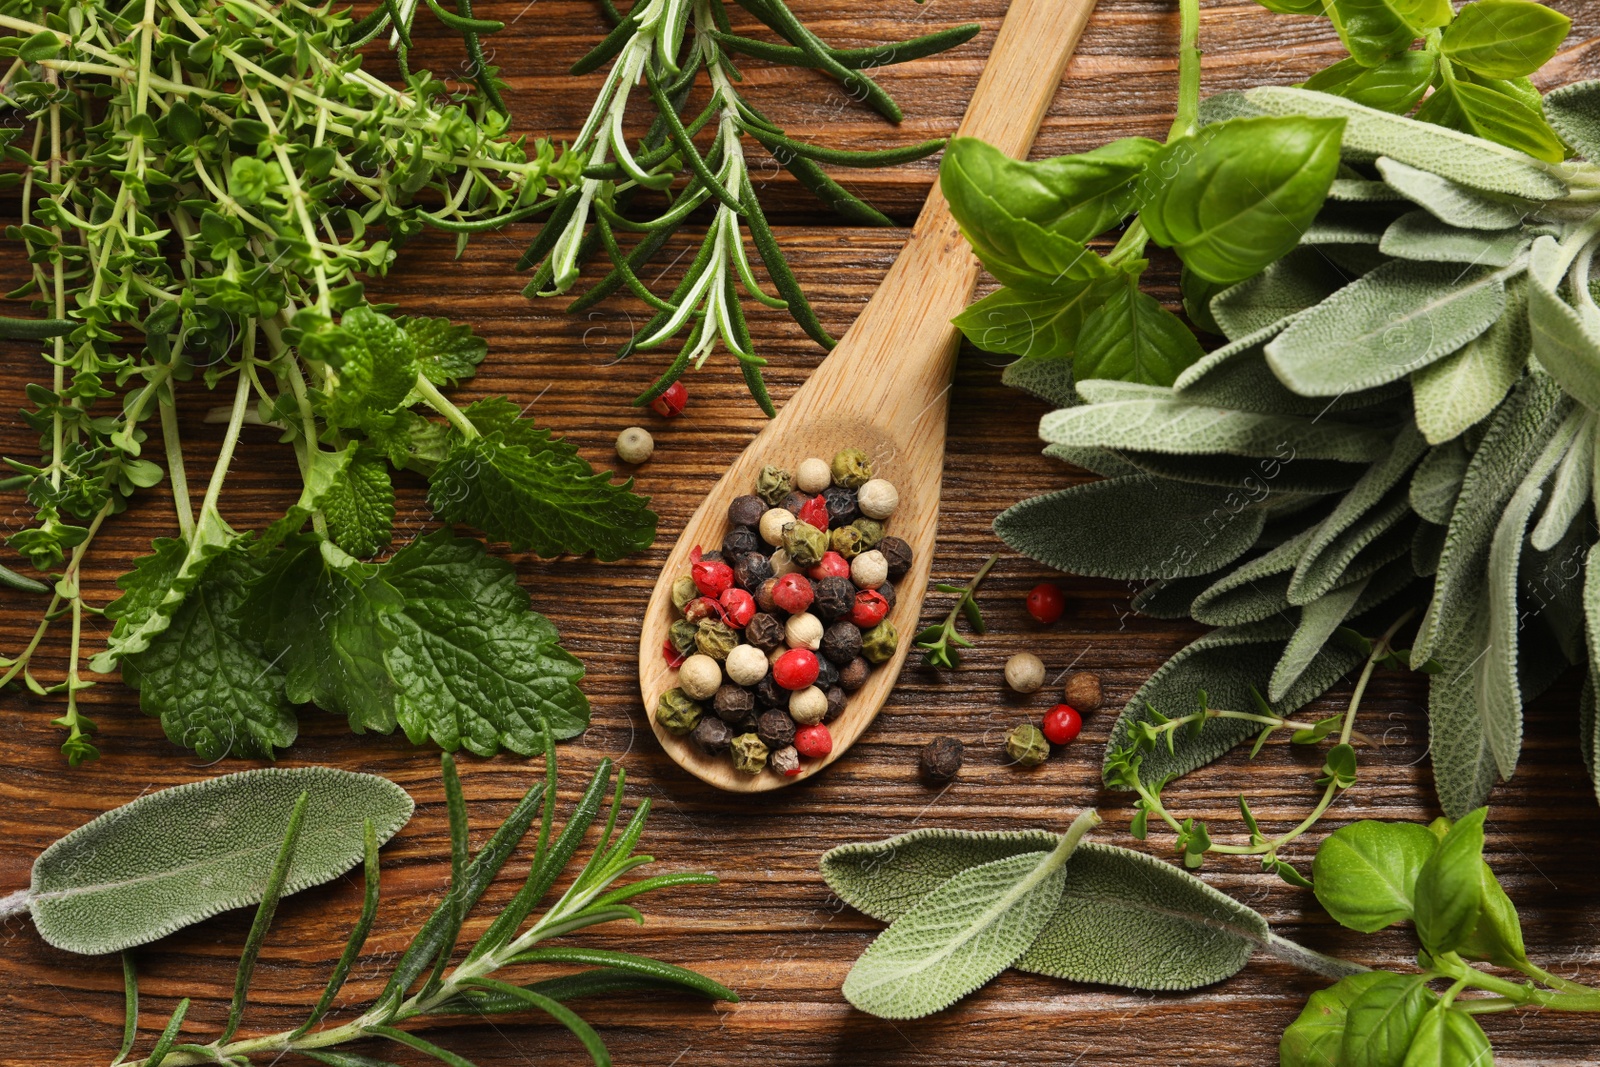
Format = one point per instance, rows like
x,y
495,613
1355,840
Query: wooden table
x,y
770,929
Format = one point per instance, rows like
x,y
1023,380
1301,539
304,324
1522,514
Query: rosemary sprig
x,y
665,45
940,643
424,987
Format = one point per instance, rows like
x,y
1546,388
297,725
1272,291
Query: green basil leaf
x,y
1381,1022
1233,197
1449,888
1374,30
1294,7
1043,322
1498,935
1445,1037
1313,1039
1574,110
1365,874
1394,85
1505,38
1493,116
1132,338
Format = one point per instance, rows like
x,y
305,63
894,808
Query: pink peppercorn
x,y
796,669
711,577
793,593
831,565
738,606
673,657
870,609
815,511
671,402
813,742
1061,724
702,607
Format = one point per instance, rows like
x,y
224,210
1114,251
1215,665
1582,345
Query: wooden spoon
x,y
884,389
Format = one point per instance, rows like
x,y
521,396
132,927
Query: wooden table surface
x,y
770,929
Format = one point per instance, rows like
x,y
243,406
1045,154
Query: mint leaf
x,y
156,588
411,441
359,506
497,413
446,354
374,367
327,470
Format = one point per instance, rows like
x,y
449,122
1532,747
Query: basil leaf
x,y
1233,197
1294,7
1505,38
1449,889
1574,110
1381,1022
1313,1039
1493,116
1041,321
1394,85
1451,203
1374,30
1564,342
1131,337
1365,874
1421,237
1498,935
1445,1037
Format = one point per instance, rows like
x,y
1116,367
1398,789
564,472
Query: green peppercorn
x,y
716,638
879,643
1026,745
851,468
804,543
682,635
749,754
773,484
677,713
871,531
683,591
846,541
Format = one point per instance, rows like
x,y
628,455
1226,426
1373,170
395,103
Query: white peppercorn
x,y
1025,673
869,570
808,705
780,562
634,445
813,475
699,677
877,499
773,520
746,665
803,631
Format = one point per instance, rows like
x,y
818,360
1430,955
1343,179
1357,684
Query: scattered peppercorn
x,y
941,758
853,675
795,669
808,705
765,632
712,735
1025,673
764,599
702,607
1061,724
769,694
716,638
772,523
781,563
732,703
1082,691
836,702
815,512
786,761
1026,745
746,510
814,741
793,592
846,542
842,508
746,665
1046,603
831,565
677,713
869,570
841,642
749,754
775,728
827,673
834,599
813,475
871,531
878,644
699,677
803,631
850,468
680,635
773,484
673,399
897,553
738,607
712,576
886,590
635,445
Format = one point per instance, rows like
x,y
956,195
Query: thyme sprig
x,y
941,643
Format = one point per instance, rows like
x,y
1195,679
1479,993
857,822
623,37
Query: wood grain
x,y
770,929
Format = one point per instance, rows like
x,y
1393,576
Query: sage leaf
x,y
1448,1038
963,933
1396,320
1365,874
1302,279
1102,461
1564,343
1255,590
1436,482
1240,349
1183,530
1570,489
1169,599
1049,378
1449,889
1318,620
1574,110
1505,38
1132,338
1382,1020
1258,479
1588,721
1463,768
1461,390
176,856
1451,203
1313,1039
1420,237
1459,157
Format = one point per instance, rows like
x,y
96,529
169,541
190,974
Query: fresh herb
x,y
940,643
176,856
212,184
665,45
423,986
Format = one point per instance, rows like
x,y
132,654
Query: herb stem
x,y
241,406
1308,959
176,476
439,402
1188,114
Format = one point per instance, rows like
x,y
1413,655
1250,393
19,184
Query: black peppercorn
x,y
769,694
941,758
842,507
835,598
827,674
794,502
887,592
746,725
853,675
712,735
732,703
763,595
750,570
775,728
764,631
711,557
898,553
746,510
836,702
739,540
841,642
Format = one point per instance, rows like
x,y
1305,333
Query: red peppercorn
x,y
1046,603
738,607
1061,724
813,742
796,669
870,608
793,593
671,402
831,565
711,577
702,607
815,511
673,657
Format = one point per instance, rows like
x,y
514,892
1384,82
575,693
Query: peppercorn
x,y
853,675
834,599
1082,691
795,669
808,705
1061,724
739,540
712,735
1027,746
764,593
836,702
803,631
842,508
831,565
813,475
850,468
886,590
683,591
749,754
1045,603
716,638
732,703
780,563
712,576
775,728
897,554
879,643
814,511
746,665
786,761
772,524
738,607
673,399
634,445
871,531
746,725
773,484
827,673
746,510
712,557
870,608
750,570
869,570
841,642
794,502
677,713
941,758
1025,673
769,694
701,607
804,543
793,592
681,636
699,677
877,499
845,541
814,741
765,632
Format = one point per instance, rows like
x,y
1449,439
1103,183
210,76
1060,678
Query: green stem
x,y
176,476
230,440
1188,115
439,402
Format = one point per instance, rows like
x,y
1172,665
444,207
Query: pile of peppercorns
x,y
788,618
